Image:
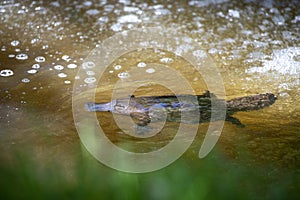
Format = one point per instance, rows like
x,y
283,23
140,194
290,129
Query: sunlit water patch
x,y
282,65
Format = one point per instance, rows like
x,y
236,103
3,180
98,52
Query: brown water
x,y
256,47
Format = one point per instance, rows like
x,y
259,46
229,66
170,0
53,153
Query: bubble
x,y
131,18
36,66
71,66
111,71
25,80
284,94
123,75
62,75
34,40
6,72
67,82
88,64
55,3
166,60
116,27
117,67
22,56
103,19
15,43
58,67
108,8
90,73
90,80
66,58
11,55
296,19
131,9
213,51
45,46
199,54
88,3
40,59
150,70
92,12
234,13
141,64
32,71
162,12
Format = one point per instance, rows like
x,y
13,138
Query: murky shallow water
x,y
254,45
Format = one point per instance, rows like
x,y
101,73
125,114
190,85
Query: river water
x,y
254,45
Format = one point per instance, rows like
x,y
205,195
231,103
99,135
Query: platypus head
x,y
271,97
98,107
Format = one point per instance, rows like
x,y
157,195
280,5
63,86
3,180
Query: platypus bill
x,y
146,109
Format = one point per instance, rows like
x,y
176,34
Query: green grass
x,y
214,177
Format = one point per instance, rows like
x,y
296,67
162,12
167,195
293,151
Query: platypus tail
x,y
254,102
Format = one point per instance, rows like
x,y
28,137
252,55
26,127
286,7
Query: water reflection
x,y
255,44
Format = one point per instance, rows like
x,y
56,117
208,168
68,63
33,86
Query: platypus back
x,y
254,102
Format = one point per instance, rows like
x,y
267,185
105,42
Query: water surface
x,y
254,44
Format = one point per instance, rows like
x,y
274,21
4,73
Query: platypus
x,y
146,109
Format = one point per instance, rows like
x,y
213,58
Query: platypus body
x,y
198,108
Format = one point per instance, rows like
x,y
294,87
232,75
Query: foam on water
x,y
116,27
204,3
131,18
87,3
103,19
92,12
162,12
282,61
131,9
234,13
199,54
